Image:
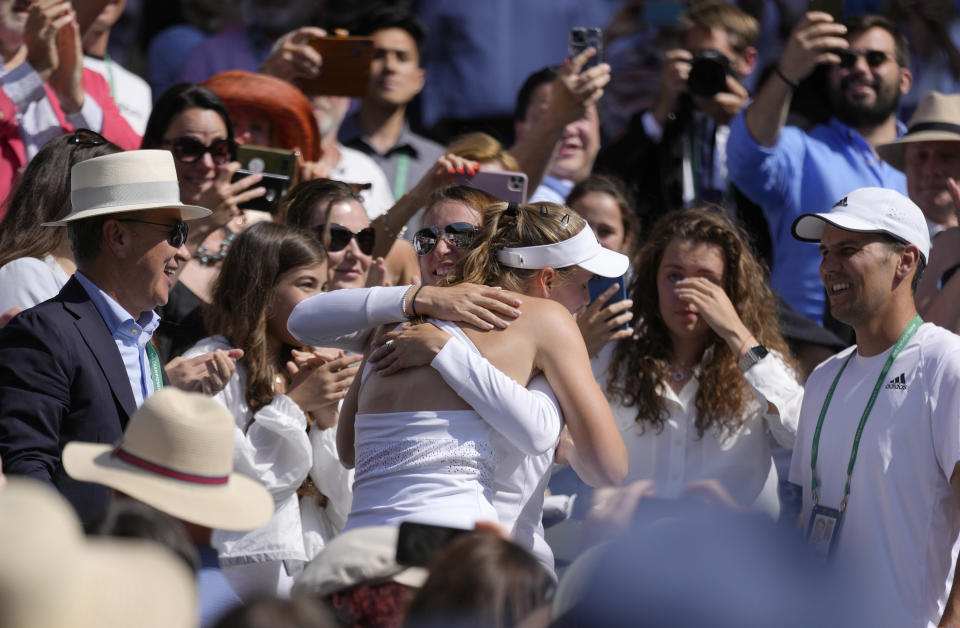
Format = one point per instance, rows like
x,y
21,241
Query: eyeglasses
x,y
86,137
189,150
458,235
177,237
848,58
340,237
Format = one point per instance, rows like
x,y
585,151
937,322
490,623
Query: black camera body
x,y
708,73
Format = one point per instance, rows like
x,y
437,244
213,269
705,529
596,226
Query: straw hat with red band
x,y
177,456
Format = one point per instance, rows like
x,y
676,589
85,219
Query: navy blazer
x,y
61,379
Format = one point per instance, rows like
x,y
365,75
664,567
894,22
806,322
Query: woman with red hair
x,y
268,111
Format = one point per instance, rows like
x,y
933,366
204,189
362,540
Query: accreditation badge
x,y
823,530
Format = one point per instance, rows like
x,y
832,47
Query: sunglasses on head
x,y
86,137
848,58
340,237
189,150
177,237
458,235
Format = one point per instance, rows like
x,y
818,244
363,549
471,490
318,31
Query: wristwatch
x,y
751,357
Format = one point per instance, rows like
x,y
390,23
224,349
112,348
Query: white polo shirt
x,y
902,520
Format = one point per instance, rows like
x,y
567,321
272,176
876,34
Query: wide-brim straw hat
x,y
937,119
177,456
51,575
130,181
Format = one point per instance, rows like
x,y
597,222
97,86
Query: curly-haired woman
x,y
707,381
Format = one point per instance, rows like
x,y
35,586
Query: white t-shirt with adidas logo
x,y
902,520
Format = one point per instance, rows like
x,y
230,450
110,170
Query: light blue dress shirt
x,y
552,190
131,337
801,173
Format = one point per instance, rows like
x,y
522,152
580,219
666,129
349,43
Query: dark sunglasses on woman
x,y
178,235
458,235
189,150
340,237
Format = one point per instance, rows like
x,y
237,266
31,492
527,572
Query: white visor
x,y
581,250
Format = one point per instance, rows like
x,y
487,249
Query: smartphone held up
x,y
581,38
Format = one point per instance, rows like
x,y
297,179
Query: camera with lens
x,y
708,73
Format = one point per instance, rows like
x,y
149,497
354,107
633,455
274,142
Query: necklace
x,y
680,372
208,258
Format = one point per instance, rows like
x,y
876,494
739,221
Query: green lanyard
x,y
897,348
400,176
109,63
155,373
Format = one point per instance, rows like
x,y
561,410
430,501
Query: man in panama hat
x,y
929,154
77,366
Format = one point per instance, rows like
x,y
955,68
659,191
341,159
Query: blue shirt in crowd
x,y
803,172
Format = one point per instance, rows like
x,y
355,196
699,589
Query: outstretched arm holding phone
x,y
573,91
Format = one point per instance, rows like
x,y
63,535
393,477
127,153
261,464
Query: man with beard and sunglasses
x,y
77,366
787,171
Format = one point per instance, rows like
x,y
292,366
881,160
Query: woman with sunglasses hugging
x,y
191,122
285,405
500,436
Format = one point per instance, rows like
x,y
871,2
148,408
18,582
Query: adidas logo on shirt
x,y
897,383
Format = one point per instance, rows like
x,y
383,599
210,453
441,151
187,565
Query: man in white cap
x,y
77,366
878,445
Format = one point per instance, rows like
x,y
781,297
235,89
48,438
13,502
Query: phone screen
x,y
598,284
833,7
664,13
417,543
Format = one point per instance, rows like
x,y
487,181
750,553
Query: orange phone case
x,y
346,67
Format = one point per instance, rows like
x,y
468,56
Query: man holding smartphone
x,y
787,170
380,128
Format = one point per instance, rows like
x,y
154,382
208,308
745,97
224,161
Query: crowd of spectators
x,y
511,313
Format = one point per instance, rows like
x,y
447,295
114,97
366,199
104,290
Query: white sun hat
x,y
583,250
177,456
51,575
870,210
130,181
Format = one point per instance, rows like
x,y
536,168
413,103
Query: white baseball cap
x,y
870,210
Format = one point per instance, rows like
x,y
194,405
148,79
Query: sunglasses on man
x,y
458,235
189,150
848,58
178,235
340,236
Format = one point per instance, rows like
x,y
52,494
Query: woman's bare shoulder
x,y
543,310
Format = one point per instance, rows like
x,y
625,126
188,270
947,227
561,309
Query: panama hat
x,y
130,181
937,119
51,575
177,456
870,210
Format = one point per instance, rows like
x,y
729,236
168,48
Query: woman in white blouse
x,y
284,403
36,261
706,382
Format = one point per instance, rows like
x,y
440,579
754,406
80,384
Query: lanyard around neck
x,y
155,373
905,337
